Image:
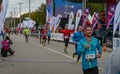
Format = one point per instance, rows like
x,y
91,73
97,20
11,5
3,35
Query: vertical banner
x,y
85,14
3,13
78,17
71,17
95,20
116,32
90,18
5,6
49,10
52,22
110,16
57,22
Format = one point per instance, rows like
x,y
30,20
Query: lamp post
x,y
14,15
66,8
84,4
11,18
29,8
20,3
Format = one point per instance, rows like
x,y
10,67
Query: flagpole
x,y
14,16
29,8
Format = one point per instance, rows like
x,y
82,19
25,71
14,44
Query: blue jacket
x,y
82,50
49,33
77,36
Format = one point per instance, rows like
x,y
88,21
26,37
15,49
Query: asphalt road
x,y
33,58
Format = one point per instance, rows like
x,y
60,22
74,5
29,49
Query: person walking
x,y
77,36
87,47
27,34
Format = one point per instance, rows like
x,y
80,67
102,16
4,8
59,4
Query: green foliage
x,y
39,15
96,7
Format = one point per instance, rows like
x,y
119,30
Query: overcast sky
x,y
25,6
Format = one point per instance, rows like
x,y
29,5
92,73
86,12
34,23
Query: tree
x,y
99,7
39,15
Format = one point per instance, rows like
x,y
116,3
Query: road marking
x,y
42,61
53,51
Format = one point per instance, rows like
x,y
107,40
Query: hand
x,y
74,42
88,45
98,55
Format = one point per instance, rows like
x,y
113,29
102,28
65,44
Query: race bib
x,y
90,55
66,37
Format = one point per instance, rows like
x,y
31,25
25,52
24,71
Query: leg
x,y
3,53
44,41
48,39
78,58
94,70
86,71
66,45
75,51
40,39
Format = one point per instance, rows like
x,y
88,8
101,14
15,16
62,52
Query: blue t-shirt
x,y
49,33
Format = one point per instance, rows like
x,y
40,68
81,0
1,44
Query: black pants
x,y
91,71
49,39
75,53
4,52
66,42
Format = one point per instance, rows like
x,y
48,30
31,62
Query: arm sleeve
x,y
81,47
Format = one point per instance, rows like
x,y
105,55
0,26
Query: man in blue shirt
x,y
87,47
77,36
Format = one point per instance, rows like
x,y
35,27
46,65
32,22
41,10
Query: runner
x,y
66,35
44,36
26,33
77,36
87,47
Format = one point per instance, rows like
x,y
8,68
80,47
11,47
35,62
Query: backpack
x,y
5,44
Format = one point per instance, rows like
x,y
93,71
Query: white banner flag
x,y
71,17
57,22
52,22
116,40
78,17
90,18
116,18
3,13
